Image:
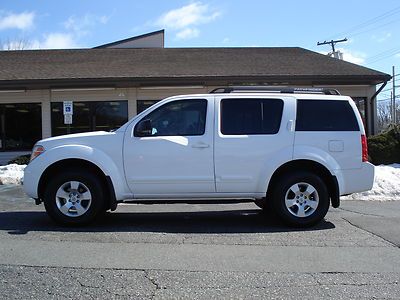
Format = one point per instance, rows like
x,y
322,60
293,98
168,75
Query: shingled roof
x,y
132,67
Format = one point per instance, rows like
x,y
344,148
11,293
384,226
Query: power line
x,y
387,99
384,94
383,55
389,89
376,27
369,22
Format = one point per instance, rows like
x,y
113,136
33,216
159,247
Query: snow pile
x,y
12,174
386,185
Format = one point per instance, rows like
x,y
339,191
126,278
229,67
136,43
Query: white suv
x,y
293,150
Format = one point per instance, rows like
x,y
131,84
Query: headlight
x,y
36,151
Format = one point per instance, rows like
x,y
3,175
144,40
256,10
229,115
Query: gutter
x,y
372,101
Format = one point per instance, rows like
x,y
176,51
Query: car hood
x,y
86,138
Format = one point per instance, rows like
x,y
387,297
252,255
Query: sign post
x,y
68,110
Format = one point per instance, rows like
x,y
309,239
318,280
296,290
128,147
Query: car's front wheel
x,y
74,197
301,199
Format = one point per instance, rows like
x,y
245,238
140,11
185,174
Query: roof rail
x,y
272,89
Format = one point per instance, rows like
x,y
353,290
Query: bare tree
x,y
384,114
15,44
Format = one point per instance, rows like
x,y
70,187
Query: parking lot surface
x,y
199,252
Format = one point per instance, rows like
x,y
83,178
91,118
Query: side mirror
x,y
143,128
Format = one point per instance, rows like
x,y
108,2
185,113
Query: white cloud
x,y
382,38
76,28
104,19
185,19
55,40
22,21
81,26
354,57
187,33
59,41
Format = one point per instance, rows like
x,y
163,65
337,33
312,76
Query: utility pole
x,y
332,43
394,97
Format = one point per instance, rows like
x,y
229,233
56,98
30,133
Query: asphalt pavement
x,y
183,251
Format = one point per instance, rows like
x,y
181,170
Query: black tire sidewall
x,y
283,186
92,183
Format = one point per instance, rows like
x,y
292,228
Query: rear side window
x,y
251,116
325,115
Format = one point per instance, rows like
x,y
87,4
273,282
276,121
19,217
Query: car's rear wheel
x,y
301,199
74,197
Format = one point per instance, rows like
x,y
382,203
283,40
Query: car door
x,y
255,135
174,157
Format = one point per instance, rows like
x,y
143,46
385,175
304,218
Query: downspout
x,y
372,101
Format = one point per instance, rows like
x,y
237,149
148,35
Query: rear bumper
x,y
356,180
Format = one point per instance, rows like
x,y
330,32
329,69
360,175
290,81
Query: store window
x,y
145,104
361,105
20,126
89,116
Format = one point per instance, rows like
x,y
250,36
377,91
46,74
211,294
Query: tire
x,y
301,199
74,198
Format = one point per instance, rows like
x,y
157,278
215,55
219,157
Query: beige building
x,y
112,83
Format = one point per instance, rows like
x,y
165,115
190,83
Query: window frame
x,y
282,102
163,106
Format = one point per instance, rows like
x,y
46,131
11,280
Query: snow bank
x,y
386,185
12,174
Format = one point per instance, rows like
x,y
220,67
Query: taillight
x,y
364,146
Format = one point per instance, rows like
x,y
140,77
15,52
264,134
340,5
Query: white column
x,y
46,114
132,102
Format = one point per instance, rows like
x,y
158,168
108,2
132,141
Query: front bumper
x,y
31,183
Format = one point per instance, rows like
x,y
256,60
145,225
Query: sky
x,y
371,27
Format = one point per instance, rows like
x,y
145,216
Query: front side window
x,y
251,116
178,118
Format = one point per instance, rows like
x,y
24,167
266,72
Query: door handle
x,y
200,145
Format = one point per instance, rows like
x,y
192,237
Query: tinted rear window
x,y
325,115
251,116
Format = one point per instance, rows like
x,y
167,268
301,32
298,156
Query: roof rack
x,y
271,89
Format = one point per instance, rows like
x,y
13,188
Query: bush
x,y
20,160
384,148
